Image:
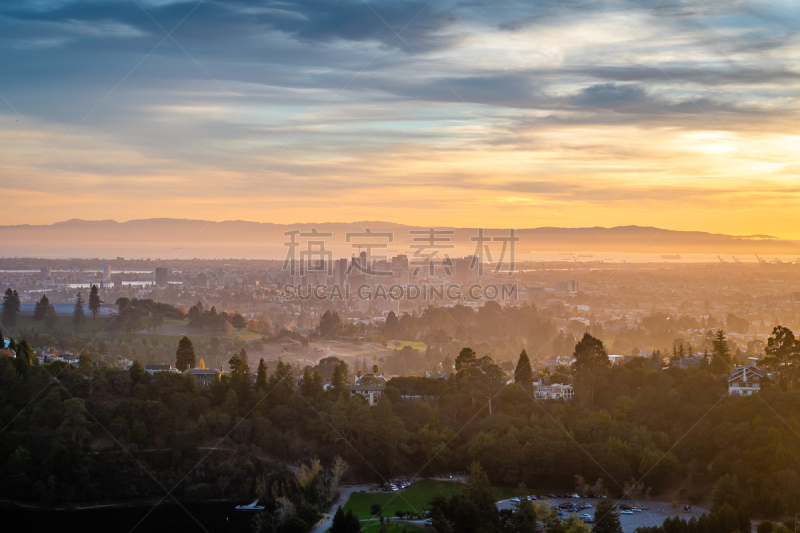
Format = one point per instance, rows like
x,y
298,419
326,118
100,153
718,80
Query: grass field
x,y
417,497
417,345
63,323
96,327
399,527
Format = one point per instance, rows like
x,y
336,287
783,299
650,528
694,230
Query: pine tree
x,y
94,301
184,356
50,318
339,380
10,308
261,376
523,374
78,314
41,308
606,517
137,373
721,361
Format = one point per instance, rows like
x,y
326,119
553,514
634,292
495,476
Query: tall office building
x,y
566,286
339,269
162,273
220,276
107,272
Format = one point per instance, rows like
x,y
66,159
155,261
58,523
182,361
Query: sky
x,y
572,113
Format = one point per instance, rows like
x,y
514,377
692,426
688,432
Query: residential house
x,y
152,369
688,362
554,392
69,357
202,376
370,392
746,380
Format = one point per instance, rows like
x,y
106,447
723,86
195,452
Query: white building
x,y
370,392
745,380
554,392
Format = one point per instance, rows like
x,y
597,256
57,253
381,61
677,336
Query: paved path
x,y
344,495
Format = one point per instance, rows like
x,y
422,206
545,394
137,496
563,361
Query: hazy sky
x,y
681,115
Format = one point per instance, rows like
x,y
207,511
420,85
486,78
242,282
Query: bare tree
x,y
632,490
330,479
581,487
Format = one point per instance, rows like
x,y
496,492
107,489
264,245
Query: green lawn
x,y
415,498
417,345
399,527
63,323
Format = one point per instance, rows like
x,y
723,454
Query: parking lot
x,y
654,515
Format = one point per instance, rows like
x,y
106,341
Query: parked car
x,y
626,511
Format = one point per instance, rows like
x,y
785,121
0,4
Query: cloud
x,y
507,99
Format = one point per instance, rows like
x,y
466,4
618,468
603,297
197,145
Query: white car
x,y
626,512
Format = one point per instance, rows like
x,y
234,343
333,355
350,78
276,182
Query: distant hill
x,y
178,238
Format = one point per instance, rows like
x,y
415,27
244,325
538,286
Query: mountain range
x,y
168,238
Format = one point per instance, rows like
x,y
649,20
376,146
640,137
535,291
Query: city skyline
x,y
442,114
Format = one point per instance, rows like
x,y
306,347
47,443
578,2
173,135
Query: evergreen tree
x,y
344,523
523,374
606,517
24,358
10,308
721,360
308,386
137,373
94,301
184,356
590,359
41,308
339,380
50,318
78,314
261,376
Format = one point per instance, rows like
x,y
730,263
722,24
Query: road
x,y
654,515
344,495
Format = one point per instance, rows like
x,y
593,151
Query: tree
x,y
238,321
591,358
523,374
50,318
78,314
184,356
41,308
606,517
94,301
75,427
24,358
783,352
721,361
339,380
479,377
11,305
329,325
137,373
156,320
261,376
344,523
309,387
